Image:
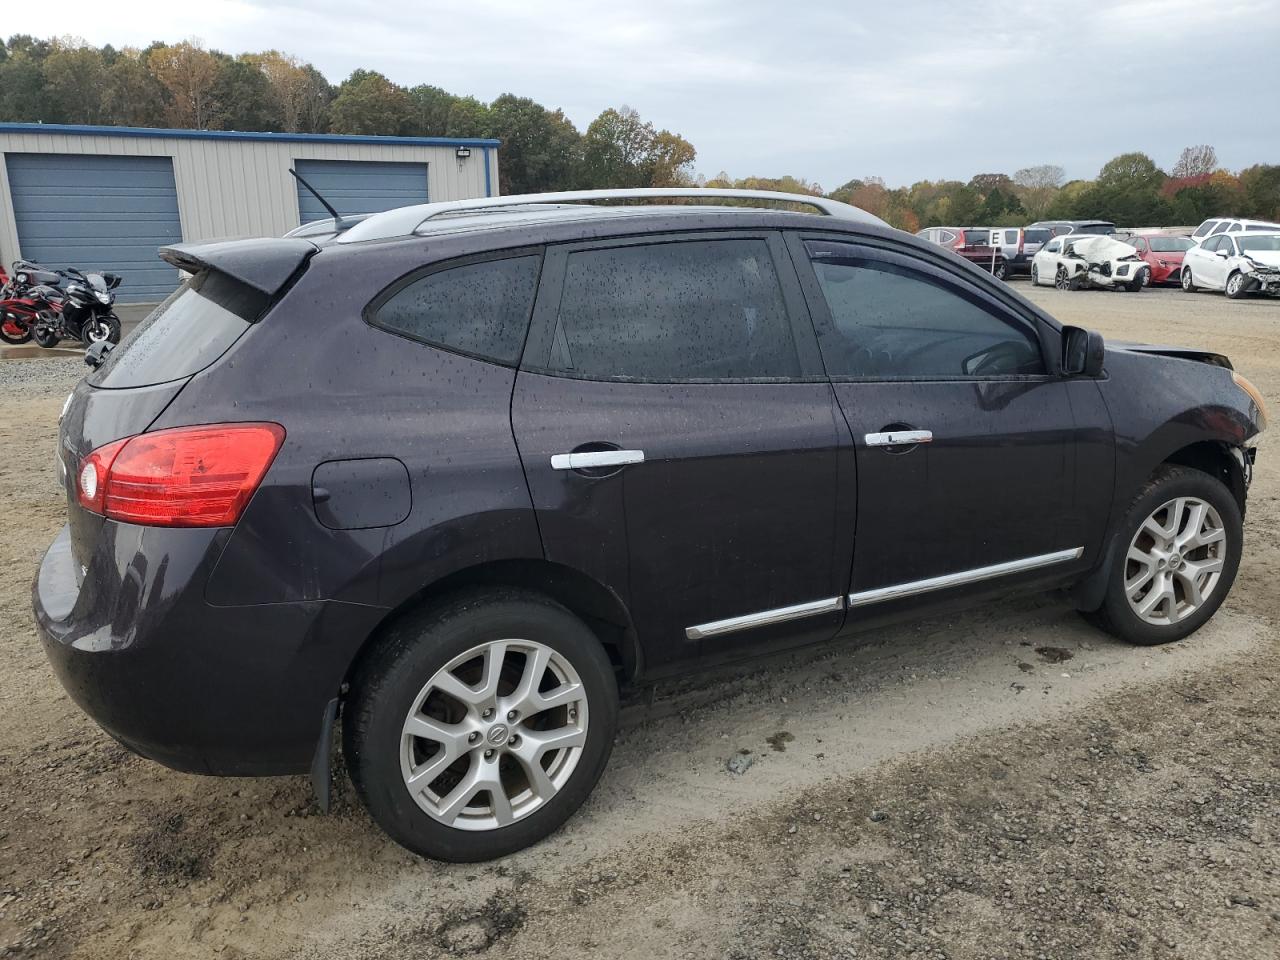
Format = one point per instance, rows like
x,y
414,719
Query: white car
x,y
1236,263
1211,228
1082,260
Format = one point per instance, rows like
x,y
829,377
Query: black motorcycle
x,y
87,312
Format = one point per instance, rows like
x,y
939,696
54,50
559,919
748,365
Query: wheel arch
x,y
1213,457
595,604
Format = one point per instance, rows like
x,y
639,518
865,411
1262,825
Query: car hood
x,y
1177,353
1270,257
1097,249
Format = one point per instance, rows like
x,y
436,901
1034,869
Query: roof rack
x,y
406,220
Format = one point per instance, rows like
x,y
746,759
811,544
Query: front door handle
x,y
899,438
593,459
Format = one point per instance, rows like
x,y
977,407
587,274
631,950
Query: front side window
x,y
678,311
893,322
1054,246
480,309
1211,244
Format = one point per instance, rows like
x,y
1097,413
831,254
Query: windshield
x,y
1267,242
1170,244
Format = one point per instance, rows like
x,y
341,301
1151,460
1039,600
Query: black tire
x,y
1061,280
92,332
46,339
1001,272
1236,290
1035,276
388,679
1116,616
1138,282
15,339
1188,284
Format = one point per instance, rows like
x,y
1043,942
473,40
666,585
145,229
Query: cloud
x,y
824,90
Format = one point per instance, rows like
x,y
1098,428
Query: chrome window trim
x,y
764,618
912,588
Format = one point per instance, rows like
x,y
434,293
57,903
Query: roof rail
x,y
406,220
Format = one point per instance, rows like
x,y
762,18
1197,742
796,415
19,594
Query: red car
x,y
1163,254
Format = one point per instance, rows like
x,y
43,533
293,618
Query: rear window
x,y
1035,235
977,238
1096,229
186,333
479,309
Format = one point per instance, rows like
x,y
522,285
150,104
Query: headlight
x,y
102,296
1255,395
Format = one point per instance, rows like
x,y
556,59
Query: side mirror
x,y
1222,253
1082,352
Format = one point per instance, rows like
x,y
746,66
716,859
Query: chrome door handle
x,y
899,438
595,458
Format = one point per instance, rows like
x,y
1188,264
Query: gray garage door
x,y
359,186
98,213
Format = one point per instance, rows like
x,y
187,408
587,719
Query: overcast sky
x,y
904,90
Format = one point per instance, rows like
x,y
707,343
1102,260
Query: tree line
x,y
184,85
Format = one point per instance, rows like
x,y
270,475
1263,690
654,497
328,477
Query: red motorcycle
x,y
30,301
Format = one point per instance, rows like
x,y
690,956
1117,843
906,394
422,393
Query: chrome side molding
x,y
765,618
899,438
910,589
596,458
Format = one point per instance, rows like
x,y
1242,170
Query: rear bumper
x,y
234,690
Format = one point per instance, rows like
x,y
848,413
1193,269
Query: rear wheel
x,y
1236,286
1001,271
478,727
1187,283
1181,539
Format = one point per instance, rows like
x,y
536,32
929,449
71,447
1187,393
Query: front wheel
x,y
15,332
1181,540
1187,283
1137,283
1061,280
97,329
1001,272
1035,276
45,337
478,726
1236,286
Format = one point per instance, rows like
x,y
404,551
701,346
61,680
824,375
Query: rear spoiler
x,y
266,264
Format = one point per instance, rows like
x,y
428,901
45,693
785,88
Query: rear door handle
x,y
593,459
899,438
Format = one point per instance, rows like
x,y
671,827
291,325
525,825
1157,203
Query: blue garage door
x,y
359,186
98,213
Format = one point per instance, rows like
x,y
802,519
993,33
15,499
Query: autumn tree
x,y
1194,161
984,183
288,86
188,73
368,103
670,160
132,95
1037,186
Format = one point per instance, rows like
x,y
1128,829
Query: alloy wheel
x,y
494,734
1175,560
1186,279
1061,280
1235,285
96,332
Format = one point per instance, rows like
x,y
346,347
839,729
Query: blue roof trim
x,y
76,128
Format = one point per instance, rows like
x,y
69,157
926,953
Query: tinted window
x,y
481,309
977,238
697,310
1260,228
1035,236
946,236
892,322
186,333
1204,228
1222,227
1170,244
1211,244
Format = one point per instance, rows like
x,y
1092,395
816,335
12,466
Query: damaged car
x,y
1237,264
1078,261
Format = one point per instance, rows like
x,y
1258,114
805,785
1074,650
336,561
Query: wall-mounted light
x,y
463,153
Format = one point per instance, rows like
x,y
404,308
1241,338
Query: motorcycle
x,y
52,306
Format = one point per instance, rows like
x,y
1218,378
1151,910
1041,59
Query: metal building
x,y
106,197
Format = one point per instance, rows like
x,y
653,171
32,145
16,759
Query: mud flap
x,y
321,781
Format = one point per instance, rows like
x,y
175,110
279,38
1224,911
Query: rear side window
x,y
688,310
186,333
480,309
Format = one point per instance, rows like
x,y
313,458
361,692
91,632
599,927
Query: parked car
x,y
1162,253
1072,262
539,452
1018,245
1232,225
1059,227
972,243
1238,264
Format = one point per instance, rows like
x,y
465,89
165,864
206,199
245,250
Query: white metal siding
x,y
242,188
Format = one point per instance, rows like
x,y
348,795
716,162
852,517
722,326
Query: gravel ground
x,y
1001,783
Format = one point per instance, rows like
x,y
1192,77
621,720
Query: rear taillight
x,y
185,477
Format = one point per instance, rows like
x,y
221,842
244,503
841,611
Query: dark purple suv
x,y
458,474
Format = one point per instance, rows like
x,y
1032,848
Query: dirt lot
x,y
1006,783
